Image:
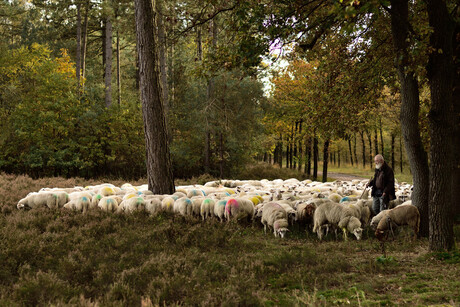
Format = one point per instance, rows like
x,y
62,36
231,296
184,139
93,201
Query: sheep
x,y
95,201
291,212
80,204
273,212
196,205
361,211
153,205
305,212
108,204
376,219
219,209
167,204
207,208
107,191
184,206
239,208
35,200
398,216
335,197
332,213
131,205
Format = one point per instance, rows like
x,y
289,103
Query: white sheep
x,y
271,213
332,214
219,209
153,205
35,200
207,208
196,205
109,204
131,205
184,206
80,204
291,212
398,216
167,204
239,208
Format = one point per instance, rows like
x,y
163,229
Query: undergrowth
x,y
99,259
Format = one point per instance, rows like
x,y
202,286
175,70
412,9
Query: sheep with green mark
x,y
36,200
207,208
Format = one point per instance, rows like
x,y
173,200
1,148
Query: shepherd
x,y
383,185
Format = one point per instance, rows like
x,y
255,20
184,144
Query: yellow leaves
x,y
65,67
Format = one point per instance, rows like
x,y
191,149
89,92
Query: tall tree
x,y
440,75
159,168
410,106
108,51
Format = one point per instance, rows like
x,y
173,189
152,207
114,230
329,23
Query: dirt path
x,y
340,176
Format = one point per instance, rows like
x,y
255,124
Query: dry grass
x,y
65,258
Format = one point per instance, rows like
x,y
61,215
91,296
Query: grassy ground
x,y
65,258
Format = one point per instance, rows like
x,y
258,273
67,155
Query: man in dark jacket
x,y
383,185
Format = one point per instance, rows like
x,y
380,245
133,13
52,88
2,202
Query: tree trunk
x,y
400,154
364,148
381,138
371,157
85,41
294,141
440,76
118,69
280,153
456,128
288,153
393,150
78,53
315,158
351,153
325,159
210,97
163,66
308,156
159,167
338,156
354,149
376,144
300,147
108,62
410,106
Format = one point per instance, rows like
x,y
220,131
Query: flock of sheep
x,y
278,204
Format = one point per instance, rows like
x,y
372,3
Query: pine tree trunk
x,y
301,159
108,62
440,76
354,149
456,119
315,158
364,148
308,153
400,154
351,153
280,153
294,141
410,106
382,150
163,66
393,150
376,144
338,156
371,157
78,53
221,153
325,159
85,41
158,161
118,69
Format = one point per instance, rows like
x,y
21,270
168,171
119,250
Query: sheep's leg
x,y
265,228
345,234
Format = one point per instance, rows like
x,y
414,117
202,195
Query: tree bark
x,y
300,147
382,151
351,153
456,129
371,157
410,106
308,156
325,159
294,144
440,76
393,136
118,69
108,62
376,143
159,167
85,41
221,160
354,149
78,53
363,142
315,157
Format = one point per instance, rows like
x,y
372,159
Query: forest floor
x,y
60,258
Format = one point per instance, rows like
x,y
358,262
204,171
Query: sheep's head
x,y
281,232
358,232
